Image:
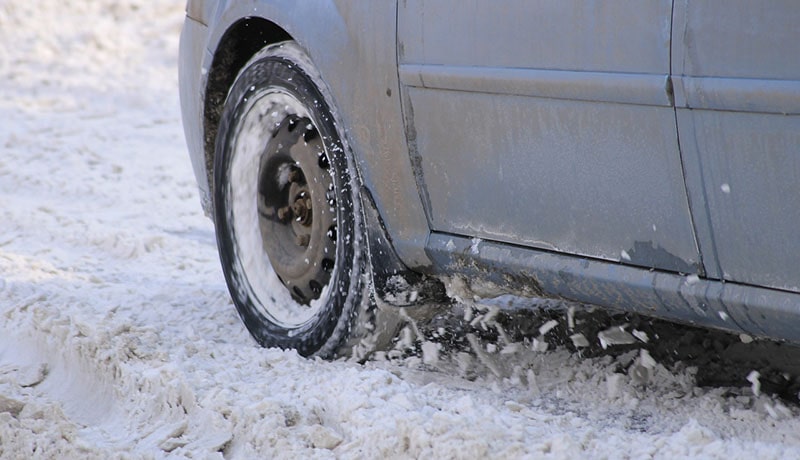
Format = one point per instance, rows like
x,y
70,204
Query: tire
x,y
287,210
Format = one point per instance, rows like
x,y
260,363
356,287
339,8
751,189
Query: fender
x,y
393,282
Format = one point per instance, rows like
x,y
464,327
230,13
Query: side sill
x,y
689,299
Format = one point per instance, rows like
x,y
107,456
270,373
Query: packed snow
x,y
118,338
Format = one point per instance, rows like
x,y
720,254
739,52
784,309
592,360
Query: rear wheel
x,y
287,211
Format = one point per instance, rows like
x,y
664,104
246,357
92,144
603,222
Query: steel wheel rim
x,y
257,139
297,213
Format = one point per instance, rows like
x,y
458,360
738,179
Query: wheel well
x,y
243,40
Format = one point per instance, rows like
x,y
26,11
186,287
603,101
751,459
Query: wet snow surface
x,y
118,339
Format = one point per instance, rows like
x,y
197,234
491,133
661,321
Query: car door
x,y
548,124
737,89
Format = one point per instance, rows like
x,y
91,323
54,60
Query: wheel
x,y
287,209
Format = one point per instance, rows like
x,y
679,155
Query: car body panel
x,y
537,34
567,144
737,93
453,134
537,186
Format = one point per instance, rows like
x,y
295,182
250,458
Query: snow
x,y
118,338
474,247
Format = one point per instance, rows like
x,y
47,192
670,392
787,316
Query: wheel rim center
x,y
296,215
301,209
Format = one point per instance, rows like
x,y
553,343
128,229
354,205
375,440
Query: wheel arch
x,y
241,41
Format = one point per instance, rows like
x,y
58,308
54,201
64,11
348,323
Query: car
x,y
364,159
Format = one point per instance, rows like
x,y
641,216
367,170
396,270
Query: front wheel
x,y
287,212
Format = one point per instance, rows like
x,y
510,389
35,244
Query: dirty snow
x,y
118,339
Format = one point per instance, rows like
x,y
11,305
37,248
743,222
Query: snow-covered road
x,y
118,339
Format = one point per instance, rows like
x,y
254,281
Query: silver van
x,y
358,157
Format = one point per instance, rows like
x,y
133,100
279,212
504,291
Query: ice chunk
x,y
547,327
571,318
615,335
406,338
539,345
430,353
484,357
639,374
725,188
646,360
476,320
755,384
745,338
579,340
491,314
641,371
625,256
641,335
